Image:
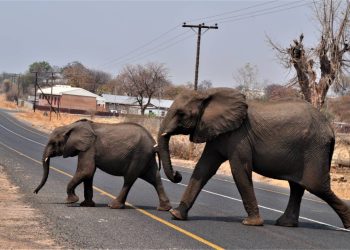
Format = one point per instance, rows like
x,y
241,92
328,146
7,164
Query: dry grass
x,y
5,104
340,108
184,152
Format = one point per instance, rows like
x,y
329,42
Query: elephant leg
x,y
318,182
291,214
242,174
343,210
338,205
74,182
206,167
85,171
119,202
88,193
153,177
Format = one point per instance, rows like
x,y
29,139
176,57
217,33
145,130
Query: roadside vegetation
x,y
185,153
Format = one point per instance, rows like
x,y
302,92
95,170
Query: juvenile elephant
x,y
288,140
123,149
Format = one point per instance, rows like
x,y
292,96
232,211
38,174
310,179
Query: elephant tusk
x,y
156,145
164,134
46,159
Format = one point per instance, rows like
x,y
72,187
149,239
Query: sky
x,y
107,35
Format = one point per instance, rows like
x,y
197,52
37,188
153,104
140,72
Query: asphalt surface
x,y
214,221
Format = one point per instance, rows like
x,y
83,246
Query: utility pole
x,y
199,33
18,80
35,88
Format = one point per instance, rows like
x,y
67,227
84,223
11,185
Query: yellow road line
x,y
154,217
267,190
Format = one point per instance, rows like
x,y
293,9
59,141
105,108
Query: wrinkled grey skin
x,y
123,149
288,140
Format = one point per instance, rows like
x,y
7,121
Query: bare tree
x,y
144,82
331,55
98,79
202,86
247,78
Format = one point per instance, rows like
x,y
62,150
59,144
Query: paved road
x,y
215,219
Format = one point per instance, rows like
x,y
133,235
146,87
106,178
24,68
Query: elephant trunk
x,y
163,144
46,168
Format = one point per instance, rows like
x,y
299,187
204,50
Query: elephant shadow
x,y
238,219
74,204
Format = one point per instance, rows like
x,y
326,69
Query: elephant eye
x,y
181,113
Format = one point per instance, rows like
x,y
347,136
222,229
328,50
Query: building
x,y
70,99
128,105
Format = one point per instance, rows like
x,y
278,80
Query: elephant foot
x,y
72,199
115,204
284,221
87,203
164,206
179,213
346,221
253,221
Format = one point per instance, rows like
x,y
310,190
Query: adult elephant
x,y
123,149
287,139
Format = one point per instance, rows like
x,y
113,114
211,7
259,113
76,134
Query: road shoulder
x,y
22,226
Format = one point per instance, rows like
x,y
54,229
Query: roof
x,y
131,100
120,99
56,89
69,90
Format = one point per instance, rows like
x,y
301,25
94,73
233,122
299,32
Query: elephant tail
x,y
156,150
331,149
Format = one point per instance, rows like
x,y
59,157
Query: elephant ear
x,y
79,138
223,110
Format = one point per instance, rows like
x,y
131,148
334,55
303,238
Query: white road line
x,y
22,136
34,132
209,192
267,208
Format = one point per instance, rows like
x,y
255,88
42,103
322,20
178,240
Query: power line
x,y
230,12
141,47
156,49
263,12
199,27
172,29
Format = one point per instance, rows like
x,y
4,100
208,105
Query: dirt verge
x,y
20,226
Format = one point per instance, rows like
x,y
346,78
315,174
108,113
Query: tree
x,y
344,88
41,67
171,91
331,54
276,91
78,75
10,90
202,86
246,76
99,79
144,82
